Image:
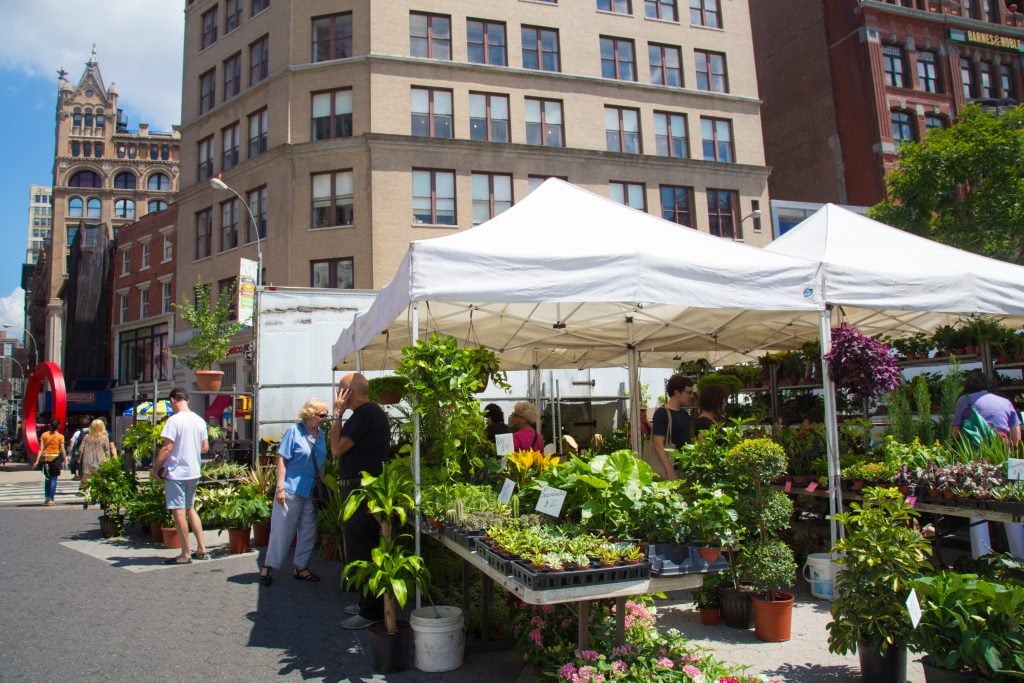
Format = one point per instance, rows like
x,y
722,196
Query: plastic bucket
x,y
820,572
438,637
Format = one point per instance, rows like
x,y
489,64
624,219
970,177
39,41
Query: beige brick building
x,y
354,127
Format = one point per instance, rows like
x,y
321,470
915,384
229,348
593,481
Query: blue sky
x,y
138,47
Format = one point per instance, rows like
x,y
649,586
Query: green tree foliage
x,y
963,185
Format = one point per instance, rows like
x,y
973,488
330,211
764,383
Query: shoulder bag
x,y
650,454
975,428
318,493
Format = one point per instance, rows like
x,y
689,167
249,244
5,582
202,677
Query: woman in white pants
x,y
300,459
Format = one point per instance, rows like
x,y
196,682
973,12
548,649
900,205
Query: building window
x,y
630,194
154,152
903,127
711,71
232,15
145,256
259,60
167,248
258,203
332,37
670,139
928,72
677,204
485,42
617,59
229,142
122,305
229,224
232,76
892,64
716,139
722,206
165,297
331,274
209,22
661,9
543,122
87,149
433,197
332,199
86,179
76,148
492,194
540,49
431,113
204,233
205,166
258,124
258,6
158,181
935,121
705,13
143,355
985,69
76,118
98,150
332,114
125,181
132,151
430,36
616,6
622,130
126,261
124,208
227,290
207,91
156,206
165,152
93,208
967,80
75,207
1007,82
665,61
755,215
488,117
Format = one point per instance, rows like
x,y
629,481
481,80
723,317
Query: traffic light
x,y
243,405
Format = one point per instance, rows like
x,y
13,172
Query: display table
x,y
581,595
928,505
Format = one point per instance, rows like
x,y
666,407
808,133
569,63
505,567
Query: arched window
x,y
88,119
124,208
75,207
156,206
125,181
76,118
154,152
131,151
86,179
92,208
75,148
165,152
120,152
158,181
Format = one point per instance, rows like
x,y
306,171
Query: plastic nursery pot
x,y
736,607
773,619
709,616
390,650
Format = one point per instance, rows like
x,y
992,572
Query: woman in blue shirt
x,y
294,513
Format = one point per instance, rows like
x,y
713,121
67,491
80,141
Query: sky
x,y
138,47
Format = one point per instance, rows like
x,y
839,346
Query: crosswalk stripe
x,y
31,492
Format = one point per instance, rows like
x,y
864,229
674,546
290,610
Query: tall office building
x,y
352,128
104,173
40,221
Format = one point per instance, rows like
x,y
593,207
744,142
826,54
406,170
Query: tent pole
x,y
835,494
635,435
413,334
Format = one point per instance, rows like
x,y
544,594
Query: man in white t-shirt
x,y
185,440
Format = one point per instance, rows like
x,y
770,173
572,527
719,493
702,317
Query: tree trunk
x,y
390,614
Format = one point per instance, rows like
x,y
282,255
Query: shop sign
x,y
989,39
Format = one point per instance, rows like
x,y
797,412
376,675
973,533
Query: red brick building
x,y
844,82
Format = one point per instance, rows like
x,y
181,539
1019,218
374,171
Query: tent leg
x,y
416,454
635,434
835,494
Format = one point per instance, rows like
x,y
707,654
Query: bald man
x,y
362,443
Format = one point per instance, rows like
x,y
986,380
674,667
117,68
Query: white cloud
x,y
138,47
12,309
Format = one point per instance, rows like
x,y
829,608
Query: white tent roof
x,y
566,278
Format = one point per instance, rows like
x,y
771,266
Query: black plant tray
x,y
535,580
493,558
465,537
672,559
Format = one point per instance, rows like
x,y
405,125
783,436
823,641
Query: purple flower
x,y
618,666
536,637
667,663
567,672
589,655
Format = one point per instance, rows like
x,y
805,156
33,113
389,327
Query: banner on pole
x,y
247,290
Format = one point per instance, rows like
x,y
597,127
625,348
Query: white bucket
x,y
820,572
439,637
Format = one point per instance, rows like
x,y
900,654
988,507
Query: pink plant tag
x,y
789,486
812,486
911,501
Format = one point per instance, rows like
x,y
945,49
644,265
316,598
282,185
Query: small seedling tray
x,y
492,558
540,580
673,559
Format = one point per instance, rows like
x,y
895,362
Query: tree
x,y
963,185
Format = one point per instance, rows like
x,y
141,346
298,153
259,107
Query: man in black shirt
x,y
362,443
679,390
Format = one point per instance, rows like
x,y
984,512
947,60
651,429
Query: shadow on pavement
x,y
810,673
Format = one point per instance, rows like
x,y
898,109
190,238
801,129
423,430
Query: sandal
x,y
305,575
265,578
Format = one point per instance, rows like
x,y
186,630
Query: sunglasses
x,y
322,416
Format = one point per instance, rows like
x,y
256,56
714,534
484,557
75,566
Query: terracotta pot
x,y
209,380
773,618
858,484
261,534
948,495
708,554
328,547
709,616
170,537
238,540
156,532
799,479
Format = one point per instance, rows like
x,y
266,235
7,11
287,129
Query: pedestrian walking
x,y
51,460
93,450
300,458
185,440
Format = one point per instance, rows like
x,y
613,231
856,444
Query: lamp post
x,y
218,184
35,344
755,214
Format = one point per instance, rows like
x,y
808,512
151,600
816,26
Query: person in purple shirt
x,y
1002,416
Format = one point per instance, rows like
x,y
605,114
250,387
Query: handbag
x,y
319,492
53,467
650,454
975,428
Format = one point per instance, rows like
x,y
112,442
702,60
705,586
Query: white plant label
x,y
550,501
506,491
1015,468
914,608
503,444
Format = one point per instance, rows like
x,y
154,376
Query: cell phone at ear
x,y
162,472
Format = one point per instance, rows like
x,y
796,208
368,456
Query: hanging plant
x,y
860,365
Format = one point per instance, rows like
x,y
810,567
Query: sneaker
x,y
352,609
354,623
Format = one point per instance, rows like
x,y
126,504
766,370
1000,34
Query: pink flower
x,y
589,655
537,621
693,658
547,609
728,679
619,666
568,672
536,638
691,671
622,650
667,663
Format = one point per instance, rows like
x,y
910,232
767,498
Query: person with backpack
x,y
979,415
74,466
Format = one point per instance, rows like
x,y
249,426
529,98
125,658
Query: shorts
x,y
180,494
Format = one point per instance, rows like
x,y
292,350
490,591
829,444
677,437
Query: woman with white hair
x,y
523,422
300,458
93,450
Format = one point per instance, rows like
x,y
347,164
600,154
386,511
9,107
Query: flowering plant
x,y
524,466
861,365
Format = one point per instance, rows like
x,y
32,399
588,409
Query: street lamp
x,y
218,184
35,344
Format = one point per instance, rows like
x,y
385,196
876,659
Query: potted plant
x,y
214,329
238,512
953,620
112,487
387,390
392,571
142,441
763,513
859,365
711,521
148,507
880,555
488,367
330,520
262,479
706,598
